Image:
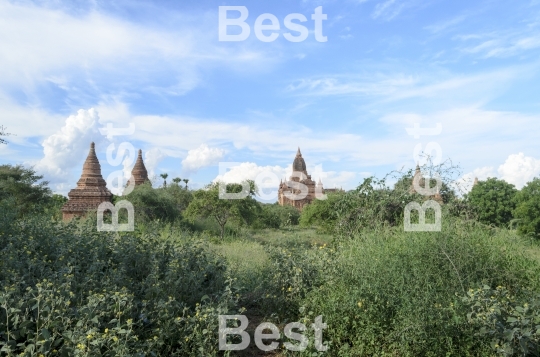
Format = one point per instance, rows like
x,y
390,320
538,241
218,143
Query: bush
x,y
154,203
493,200
72,290
276,216
322,213
388,292
527,212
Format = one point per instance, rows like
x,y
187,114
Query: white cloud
x,y
68,146
203,156
465,183
152,158
519,169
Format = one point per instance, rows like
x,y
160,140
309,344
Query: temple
x,y
291,192
139,174
422,183
90,192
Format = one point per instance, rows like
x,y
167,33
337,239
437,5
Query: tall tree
x,y
207,203
186,181
493,200
176,180
22,187
164,177
527,210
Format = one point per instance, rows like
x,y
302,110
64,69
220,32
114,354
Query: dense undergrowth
x,y
472,289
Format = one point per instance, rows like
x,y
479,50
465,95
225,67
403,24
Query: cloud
x,y
465,183
203,156
152,158
519,169
66,148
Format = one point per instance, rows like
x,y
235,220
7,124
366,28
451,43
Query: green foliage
x,y
207,203
322,213
22,186
389,292
527,211
493,200
514,327
69,291
276,216
156,204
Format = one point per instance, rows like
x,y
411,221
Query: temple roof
x,y
299,164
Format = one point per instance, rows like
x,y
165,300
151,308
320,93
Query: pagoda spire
x,y
139,173
91,189
298,153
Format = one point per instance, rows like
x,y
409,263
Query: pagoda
x,y
90,192
292,187
139,174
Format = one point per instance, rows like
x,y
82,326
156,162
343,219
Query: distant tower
x,y
139,172
91,189
475,181
291,193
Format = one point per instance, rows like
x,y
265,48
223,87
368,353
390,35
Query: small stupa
x,y
91,189
139,174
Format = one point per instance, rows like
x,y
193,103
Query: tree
x,y
493,201
151,204
21,186
322,213
527,210
207,203
176,180
164,177
186,181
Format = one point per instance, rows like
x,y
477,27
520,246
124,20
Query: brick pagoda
x,y
91,189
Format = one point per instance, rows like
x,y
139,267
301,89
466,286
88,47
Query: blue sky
x,y
68,68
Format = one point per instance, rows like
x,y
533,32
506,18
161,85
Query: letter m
x,y
421,226
115,226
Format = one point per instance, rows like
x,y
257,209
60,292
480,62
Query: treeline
x,y
373,203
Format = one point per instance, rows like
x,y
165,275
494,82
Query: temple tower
x,y
91,189
139,174
292,192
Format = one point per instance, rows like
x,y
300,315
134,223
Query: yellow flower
x,y
360,303
106,330
289,289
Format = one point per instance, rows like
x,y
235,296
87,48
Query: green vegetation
x,y
527,212
494,201
472,289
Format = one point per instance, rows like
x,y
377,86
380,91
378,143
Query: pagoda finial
x,y
298,153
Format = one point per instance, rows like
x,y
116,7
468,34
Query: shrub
x,y
389,292
72,290
527,211
153,203
493,200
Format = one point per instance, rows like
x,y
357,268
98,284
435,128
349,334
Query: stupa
x,y
139,174
91,189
